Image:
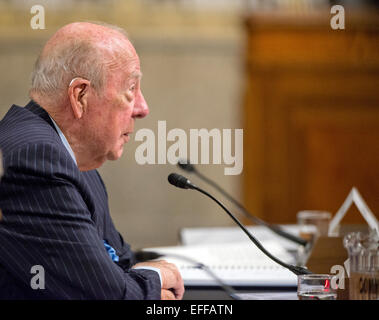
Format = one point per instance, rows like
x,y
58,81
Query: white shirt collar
x,y
64,140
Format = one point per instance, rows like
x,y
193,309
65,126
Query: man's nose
x,y
141,109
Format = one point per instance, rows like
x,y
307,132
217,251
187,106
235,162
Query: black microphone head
x,y
186,165
179,181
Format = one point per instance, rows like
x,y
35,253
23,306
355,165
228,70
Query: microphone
x,y
179,181
143,255
186,166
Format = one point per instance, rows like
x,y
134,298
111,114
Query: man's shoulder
x,y
21,127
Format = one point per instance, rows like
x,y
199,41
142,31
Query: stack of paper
x,y
236,263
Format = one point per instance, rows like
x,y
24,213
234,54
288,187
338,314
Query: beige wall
x,y
191,79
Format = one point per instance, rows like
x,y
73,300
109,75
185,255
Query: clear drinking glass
x,y
315,287
313,222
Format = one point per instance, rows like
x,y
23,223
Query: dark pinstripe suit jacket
x,y
57,217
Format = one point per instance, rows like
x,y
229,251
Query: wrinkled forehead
x,y
121,76
120,59
118,51
124,69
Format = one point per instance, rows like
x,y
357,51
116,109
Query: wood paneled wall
x,y
311,114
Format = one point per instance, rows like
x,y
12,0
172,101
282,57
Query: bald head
x,y
97,32
81,49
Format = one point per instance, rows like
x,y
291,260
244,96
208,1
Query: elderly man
x,y
86,96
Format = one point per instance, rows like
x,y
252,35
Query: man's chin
x,y
115,155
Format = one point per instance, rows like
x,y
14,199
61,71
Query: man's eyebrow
x,y
136,74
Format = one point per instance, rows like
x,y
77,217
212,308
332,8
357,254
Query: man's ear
x,y
78,91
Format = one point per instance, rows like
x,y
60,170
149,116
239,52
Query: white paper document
x,y
269,296
235,263
192,236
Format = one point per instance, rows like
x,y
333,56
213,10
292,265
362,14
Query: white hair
x,y
76,57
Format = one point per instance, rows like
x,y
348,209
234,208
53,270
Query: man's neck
x,y
70,129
